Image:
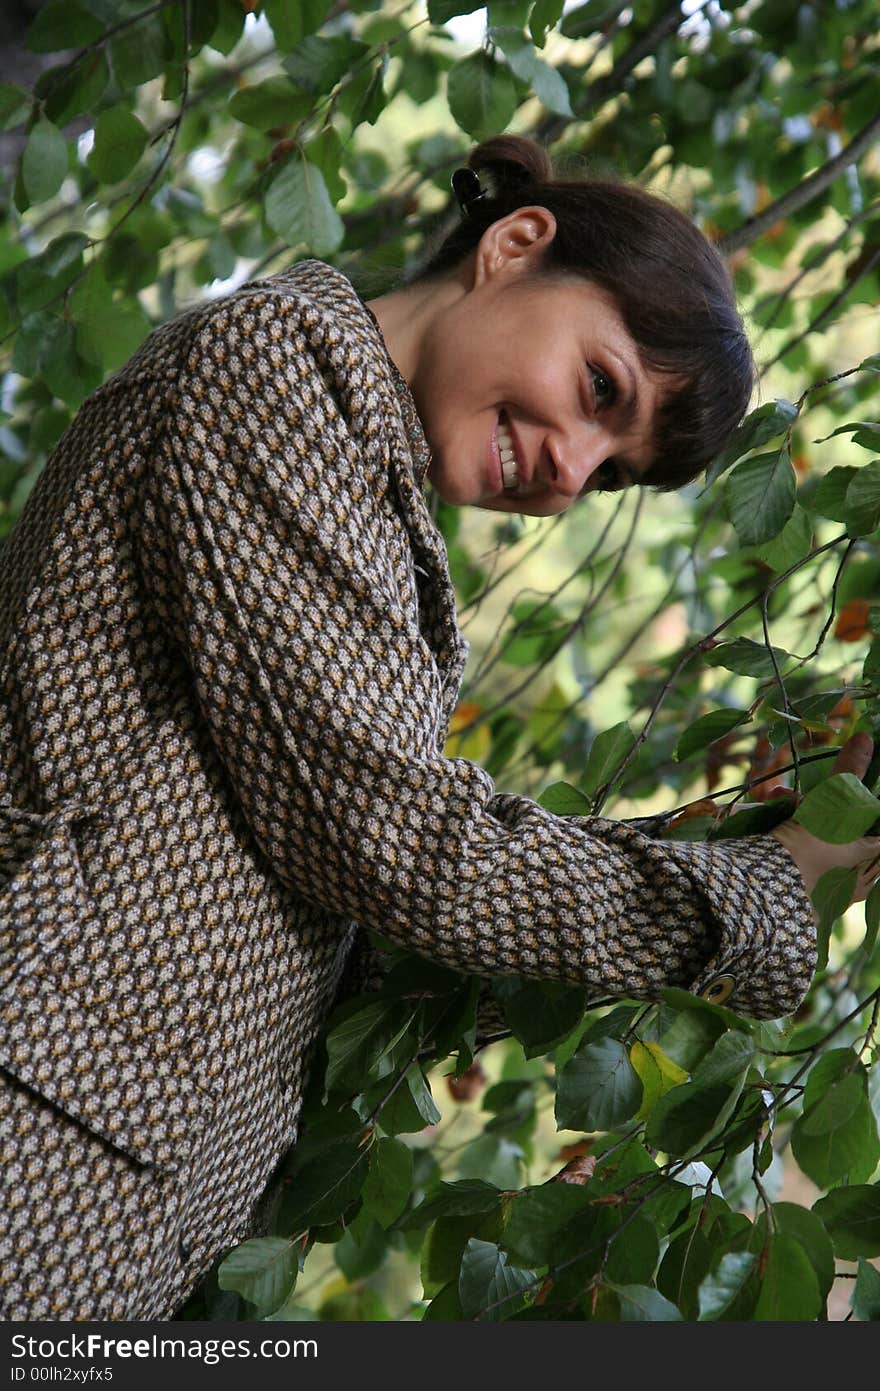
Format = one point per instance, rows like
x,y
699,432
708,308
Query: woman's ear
x,y
516,244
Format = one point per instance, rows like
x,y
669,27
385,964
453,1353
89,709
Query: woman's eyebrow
x,y
628,407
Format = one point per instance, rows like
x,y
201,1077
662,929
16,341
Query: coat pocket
x,y
121,1081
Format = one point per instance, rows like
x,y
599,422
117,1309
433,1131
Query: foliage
x,y
171,150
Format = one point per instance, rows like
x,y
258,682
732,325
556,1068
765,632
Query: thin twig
x,y
811,263
700,646
827,313
804,193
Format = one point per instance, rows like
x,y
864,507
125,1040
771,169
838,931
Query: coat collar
x,y
409,458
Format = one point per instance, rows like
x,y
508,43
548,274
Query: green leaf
x,y
804,1228
228,29
564,800
299,209
765,423
789,1288
754,821
482,96
540,1013
872,920
685,1264
62,24
107,332
322,1188
862,503
318,63
865,1298
791,545
462,1199
545,81
536,632
440,11
544,17
362,1248
273,102
69,91
551,89
361,1040
363,97
445,1306
509,12
871,668
120,140
707,729
539,1217
642,1304
443,1247
607,752
404,1108
835,1138
139,53
389,1182
44,161
15,103
263,1270
761,496
68,376
488,1285
720,1290
598,1089
831,897
292,23
42,279
852,1218
746,658
685,1118
840,809
829,498
31,342
864,432
694,1004
325,151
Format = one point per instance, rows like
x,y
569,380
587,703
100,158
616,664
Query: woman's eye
x,y
603,387
608,477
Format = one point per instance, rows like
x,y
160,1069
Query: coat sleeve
x,y
265,552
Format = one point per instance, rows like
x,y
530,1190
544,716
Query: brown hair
x,y
670,284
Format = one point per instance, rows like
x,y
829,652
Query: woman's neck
x,y
406,316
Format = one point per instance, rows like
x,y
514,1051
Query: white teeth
x,y
509,467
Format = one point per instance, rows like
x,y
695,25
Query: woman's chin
x,y
455,491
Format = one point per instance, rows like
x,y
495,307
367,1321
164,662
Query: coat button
x,y
719,989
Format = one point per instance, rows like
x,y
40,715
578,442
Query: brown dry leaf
x,y
578,1170
852,621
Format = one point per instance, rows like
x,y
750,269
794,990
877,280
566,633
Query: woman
x,y
230,655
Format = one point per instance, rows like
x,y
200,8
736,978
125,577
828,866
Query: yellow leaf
x,y
657,1074
466,738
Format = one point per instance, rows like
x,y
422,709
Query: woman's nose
x,y
574,460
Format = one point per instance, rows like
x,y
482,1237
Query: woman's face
x,y
529,386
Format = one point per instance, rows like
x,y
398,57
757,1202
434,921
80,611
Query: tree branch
x,y
804,193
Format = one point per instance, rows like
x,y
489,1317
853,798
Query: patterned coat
x,y
229,656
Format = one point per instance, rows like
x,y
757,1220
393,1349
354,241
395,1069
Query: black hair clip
x,y
467,189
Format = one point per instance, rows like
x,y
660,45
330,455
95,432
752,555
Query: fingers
x,y
869,872
855,755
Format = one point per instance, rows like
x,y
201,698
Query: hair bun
x,y
512,162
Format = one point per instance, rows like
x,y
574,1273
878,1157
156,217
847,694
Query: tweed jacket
x,y
229,658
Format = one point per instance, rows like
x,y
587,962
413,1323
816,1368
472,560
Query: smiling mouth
x,y
509,463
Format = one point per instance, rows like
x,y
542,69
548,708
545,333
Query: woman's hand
x,y
815,857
